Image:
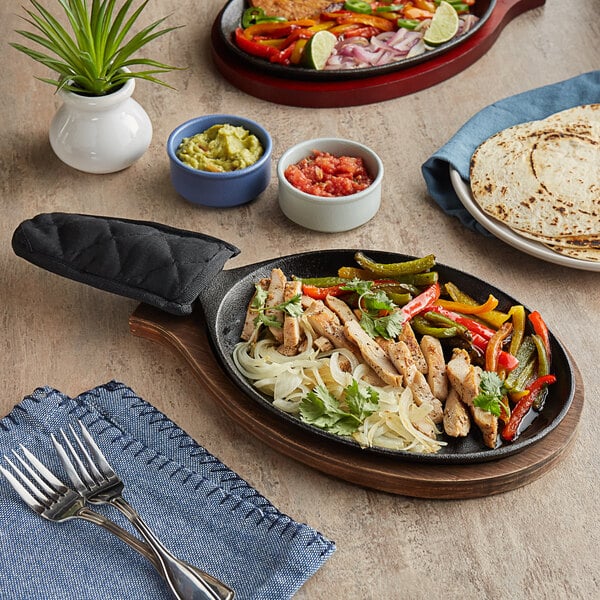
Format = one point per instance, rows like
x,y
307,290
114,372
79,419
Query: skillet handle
x,y
160,265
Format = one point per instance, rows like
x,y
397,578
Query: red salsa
x,y
323,174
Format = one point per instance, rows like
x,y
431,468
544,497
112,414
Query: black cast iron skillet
x,y
229,19
129,258
224,307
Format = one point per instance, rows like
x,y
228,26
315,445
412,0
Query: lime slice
x,y
318,49
443,26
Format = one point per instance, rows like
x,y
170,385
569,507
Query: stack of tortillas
x,y
542,180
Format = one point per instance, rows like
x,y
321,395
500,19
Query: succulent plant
x,y
95,58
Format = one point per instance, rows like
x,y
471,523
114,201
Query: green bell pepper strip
x,y
358,6
410,24
255,14
526,354
409,267
423,326
323,281
440,320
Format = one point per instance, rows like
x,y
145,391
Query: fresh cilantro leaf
x,y
362,404
376,301
387,327
321,409
260,297
491,393
292,306
359,286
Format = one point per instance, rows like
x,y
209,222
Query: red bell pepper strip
x,y
320,293
506,360
472,325
254,48
367,32
511,430
424,301
540,327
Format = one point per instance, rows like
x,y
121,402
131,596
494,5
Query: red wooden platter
x,y
187,338
356,92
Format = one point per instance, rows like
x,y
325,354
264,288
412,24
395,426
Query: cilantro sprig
x,y
492,394
292,307
321,409
378,314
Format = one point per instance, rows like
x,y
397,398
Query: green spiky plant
x,y
94,59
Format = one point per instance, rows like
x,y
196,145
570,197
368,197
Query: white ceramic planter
x,y
100,134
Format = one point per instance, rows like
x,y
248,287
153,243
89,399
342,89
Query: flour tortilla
x,y
542,179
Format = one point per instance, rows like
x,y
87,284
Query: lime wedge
x,y
443,26
318,49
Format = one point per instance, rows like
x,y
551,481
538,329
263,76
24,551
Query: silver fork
x,y
49,497
97,482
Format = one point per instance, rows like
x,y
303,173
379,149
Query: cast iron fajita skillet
x,y
132,258
229,19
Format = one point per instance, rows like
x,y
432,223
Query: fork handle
x,y
143,548
185,583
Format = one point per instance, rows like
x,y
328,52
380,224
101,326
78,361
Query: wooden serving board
x,y
357,92
187,338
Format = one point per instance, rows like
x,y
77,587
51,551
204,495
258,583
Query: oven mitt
x,y
153,263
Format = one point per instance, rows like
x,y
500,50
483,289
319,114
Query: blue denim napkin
x,y
527,106
203,511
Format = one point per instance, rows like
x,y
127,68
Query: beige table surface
x,y
539,541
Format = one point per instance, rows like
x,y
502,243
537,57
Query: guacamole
x,y
220,148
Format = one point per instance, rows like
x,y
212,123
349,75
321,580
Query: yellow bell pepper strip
x,y
421,302
425,5
418,14
409,267
494,347
495,318
276,29
469,309
517,315
342,17
511,431
297,52
540,327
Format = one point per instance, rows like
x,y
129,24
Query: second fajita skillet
x,y
182,271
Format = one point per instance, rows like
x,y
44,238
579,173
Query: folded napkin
x,y
527,106
203,511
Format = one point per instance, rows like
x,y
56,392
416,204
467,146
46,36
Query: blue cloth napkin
x,y
527,106
203,511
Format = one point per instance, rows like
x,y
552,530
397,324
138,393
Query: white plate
x,y
501,231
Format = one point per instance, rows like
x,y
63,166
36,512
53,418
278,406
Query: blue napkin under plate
x,y
528,106
203,511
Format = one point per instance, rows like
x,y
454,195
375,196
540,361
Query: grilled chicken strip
x,y
373,354
407,335
275,296
249,327
436,366
465,378
291,325
402,359
457,422
326,323
340,308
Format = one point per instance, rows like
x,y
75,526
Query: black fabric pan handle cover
x,y
160,265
